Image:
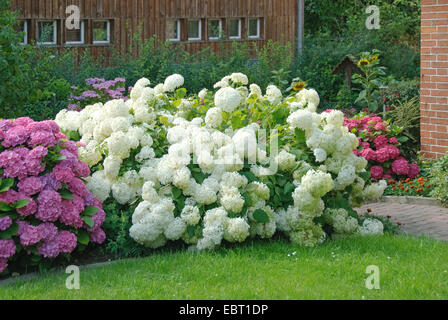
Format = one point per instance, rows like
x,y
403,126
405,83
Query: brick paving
x,y
414,219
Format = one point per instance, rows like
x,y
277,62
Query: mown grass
x,y
410,268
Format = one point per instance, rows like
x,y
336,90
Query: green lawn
x,y
410,268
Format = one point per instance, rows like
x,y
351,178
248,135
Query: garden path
x,y
414,219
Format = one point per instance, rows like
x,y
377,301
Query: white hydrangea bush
x,y
201,169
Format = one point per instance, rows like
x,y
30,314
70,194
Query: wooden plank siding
x,y
278,20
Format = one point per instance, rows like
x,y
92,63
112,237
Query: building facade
x,y
434,78
192,24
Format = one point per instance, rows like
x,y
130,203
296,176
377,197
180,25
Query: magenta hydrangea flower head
x,y
414,170
63,173
400,166
49,249
7,248
3,264
98,236
376,172
5,223
29,209
31,235
50,206
30,186
67,241
380,141
15,136
48,230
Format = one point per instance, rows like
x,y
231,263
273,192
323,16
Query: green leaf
x,y
83,237
4,206
300,135
65,194
21,203
90,211
261,216
10,232
74,136
6,184
89,221
176,192
181,93
289,187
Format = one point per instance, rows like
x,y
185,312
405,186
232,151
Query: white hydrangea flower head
x,y
173,82
286,161
227,99
213,118
273,95
202,94
237,230
240,78
371,227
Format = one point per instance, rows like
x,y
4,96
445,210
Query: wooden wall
x,y
279,18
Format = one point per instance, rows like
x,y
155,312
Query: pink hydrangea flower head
x,y
29,209
414,170
15,136
30,236
50,206
98,236
7,248
50,182
400,166
393,140
42,138
67,241
393,151
382,155
3,264
82,170
380,141
380,126
71,212
38,153
63,173
368,153
77,186
49,231
9,196
5,223
49,249
30,186
24,121
376,172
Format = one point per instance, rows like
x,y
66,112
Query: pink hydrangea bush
x,y
45,208
378,143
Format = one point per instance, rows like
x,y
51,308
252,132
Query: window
x,y
47,32
235,29
75,36
194,30
214,29
253,31
101,32
22,27
173,30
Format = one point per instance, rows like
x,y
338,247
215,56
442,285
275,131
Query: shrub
x,y
98,90
438,174
195,171
406,115
380,143
46,210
